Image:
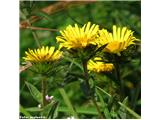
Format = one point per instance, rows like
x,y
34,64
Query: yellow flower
x,y
44,54
117,41
99,66
76,37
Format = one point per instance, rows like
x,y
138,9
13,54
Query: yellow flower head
x,y
44,54
76,37
99,66
117,41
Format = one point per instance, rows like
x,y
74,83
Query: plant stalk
x,y
44,88
86,74
117,70
87,84
97,107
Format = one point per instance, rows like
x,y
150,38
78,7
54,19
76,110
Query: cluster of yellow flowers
x,y
75,37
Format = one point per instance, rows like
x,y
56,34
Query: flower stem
x,y
44,86
86,73
117,70
97,107
87,84
68,102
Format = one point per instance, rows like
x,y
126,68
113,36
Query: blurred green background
x,y
106,14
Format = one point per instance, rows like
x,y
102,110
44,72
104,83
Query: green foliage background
x,y
106,14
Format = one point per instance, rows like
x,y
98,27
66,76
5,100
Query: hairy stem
x,y
86,73
87,84
44,88
117,70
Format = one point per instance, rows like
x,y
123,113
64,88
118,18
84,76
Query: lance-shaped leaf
x,y
34,92
50,110
24,111
122,111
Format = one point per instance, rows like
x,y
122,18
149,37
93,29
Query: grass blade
x,y
106,111
108,95
80,110
122,111
130,111
68,102
24,111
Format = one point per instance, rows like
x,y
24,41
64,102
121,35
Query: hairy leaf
x,y
34,92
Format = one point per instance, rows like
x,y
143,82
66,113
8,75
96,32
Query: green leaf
x,y
24,111
72,77
80,110
85,89
34,92
114,114
99,49
22,15
122,111
130,111
125,101
110,98
68,102
106,111
53,113
108,95
73,61
49,109
34,109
